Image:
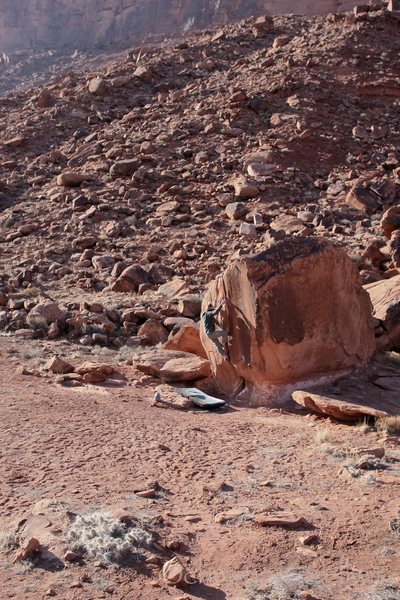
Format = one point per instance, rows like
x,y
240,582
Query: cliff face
x,y
39,24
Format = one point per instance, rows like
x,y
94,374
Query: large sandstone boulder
x,y
295,312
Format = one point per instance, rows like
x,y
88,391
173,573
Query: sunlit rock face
x,y
39,24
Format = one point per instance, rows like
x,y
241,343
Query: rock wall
x,y
295,313
38,24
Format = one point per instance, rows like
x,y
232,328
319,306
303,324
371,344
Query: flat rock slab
x,y
172,365
281,520
231,515
333,407
373,391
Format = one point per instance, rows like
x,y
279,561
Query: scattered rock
x,y
154,332
94,373
71,179
187,339
175,573
390,221
45,313
231,515
244,189
58,365
97,86
124,168
363,199
130,279
288,520
27,549
70,556
189,305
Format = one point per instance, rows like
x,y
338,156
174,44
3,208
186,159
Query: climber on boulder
x,y
208,318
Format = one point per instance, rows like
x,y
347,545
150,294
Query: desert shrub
x,y
322,436
8,541
101,537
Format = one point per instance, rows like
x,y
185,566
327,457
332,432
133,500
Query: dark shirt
x,y
208,318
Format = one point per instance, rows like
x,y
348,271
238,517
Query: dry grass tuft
x,y
101,537
391,425
283,586
8,541
322,436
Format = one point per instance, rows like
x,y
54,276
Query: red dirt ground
x,y
89,447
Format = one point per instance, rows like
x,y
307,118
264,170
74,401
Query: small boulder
x,y
283,519
244,189
390,221
187,339
94,373
235,210
333,407
130,279
45,99
260,169
287,223
28,548
124,168
394,246
45,313
280,41
189,305
173,288
59,366
231,514
154,332
247,229
189,368
175,573
71,179
363,199
97,86
263,25
143,73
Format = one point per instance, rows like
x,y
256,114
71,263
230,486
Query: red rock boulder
x,y
295,312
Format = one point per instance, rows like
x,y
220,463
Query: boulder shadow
x,y
201,590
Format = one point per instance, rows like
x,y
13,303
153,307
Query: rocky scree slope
x,y
169,164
